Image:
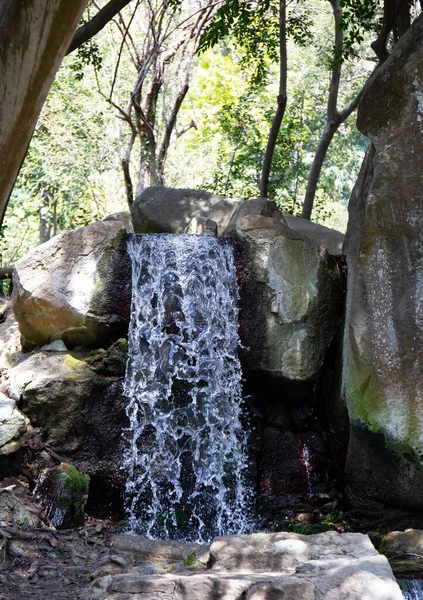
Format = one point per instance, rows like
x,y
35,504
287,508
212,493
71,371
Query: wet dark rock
x,y
281,468
111,361
79,413
314,441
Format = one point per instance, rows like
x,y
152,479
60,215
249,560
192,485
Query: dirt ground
x,y
56,565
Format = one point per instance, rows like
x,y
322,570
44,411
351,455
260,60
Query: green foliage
x,y
190,560
234,132
339,520
71,174
87,54
254,26
309,529
21,520
359,17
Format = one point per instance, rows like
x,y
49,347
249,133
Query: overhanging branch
x,y
96,24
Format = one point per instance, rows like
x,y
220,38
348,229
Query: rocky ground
x,y
100,561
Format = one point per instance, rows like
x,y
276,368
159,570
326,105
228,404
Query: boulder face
x,y
167,210
330,239
76,403
291,299
75,287
255,206
383,351
10,338
14,426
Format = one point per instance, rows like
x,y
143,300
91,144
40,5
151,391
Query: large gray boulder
x,y
330,239
291,300
168,210
255,206
383,358
75,287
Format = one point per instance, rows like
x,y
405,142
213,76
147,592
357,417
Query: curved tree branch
x,y
96,24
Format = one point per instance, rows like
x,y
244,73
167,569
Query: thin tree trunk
x,y
330,129
298,157
44,225
34,37
125,162
332,115
280,111
316,167
55,216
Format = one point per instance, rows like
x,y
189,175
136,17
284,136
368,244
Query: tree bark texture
x,y
280,111
34,38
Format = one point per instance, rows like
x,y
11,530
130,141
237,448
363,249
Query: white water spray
x,y
186,459
412,589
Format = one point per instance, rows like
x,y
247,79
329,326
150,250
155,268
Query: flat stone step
x,y
278,566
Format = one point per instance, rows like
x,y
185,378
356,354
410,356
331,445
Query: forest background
x,y
154,83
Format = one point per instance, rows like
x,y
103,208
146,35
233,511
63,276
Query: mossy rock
x,y
63,492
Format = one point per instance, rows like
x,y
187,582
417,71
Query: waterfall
x,y
185,460
412,589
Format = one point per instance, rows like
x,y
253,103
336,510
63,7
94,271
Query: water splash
x,y
305,459
186,460
412,589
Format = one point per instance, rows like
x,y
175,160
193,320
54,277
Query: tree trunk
x,y
329,131
44,225
34,37
333,119
280,111
316,167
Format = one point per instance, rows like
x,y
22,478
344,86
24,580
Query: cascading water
x,y
412,589
186,460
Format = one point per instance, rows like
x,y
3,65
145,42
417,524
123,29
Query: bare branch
x,y
121,49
